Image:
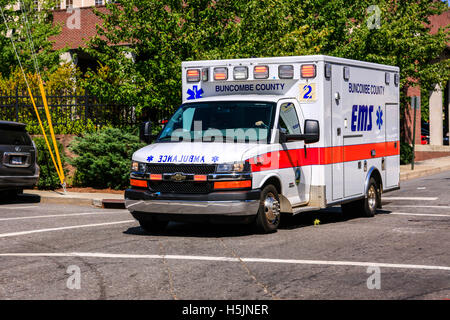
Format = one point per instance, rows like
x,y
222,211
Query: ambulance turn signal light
x,y
233,184
261,72
220,73
193,75
308,71
138,183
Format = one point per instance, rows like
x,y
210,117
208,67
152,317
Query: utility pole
x,y
415,103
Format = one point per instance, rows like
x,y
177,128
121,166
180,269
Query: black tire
x,y
268,216
372,200
365,207
153,226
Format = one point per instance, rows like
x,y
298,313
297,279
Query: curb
x,y
73,201
421,173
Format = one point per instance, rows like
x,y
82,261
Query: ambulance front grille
x,y
184,168
180,187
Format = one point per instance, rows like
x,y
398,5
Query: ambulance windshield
x,y
221,121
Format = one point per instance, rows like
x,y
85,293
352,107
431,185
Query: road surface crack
x,y
169,273
249,272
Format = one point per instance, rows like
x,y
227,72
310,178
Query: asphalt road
x,y
407,242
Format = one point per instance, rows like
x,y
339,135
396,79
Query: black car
x,y
18,167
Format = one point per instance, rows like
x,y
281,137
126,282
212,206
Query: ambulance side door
x,y
296,178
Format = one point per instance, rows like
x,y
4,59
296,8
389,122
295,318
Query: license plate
x,y
16,160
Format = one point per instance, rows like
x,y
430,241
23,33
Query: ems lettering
x,y
361,118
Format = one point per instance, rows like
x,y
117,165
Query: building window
x,y
69,4
98,2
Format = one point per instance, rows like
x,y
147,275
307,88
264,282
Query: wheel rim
x,y
372,197
272,209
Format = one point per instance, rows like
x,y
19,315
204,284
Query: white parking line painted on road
x,y
63,215
411,198
226,259
414,206
21,233
16,208
420,214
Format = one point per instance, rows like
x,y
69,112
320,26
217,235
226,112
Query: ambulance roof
x,y
248,97
291,59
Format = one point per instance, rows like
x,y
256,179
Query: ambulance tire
x,y
268,216
153,226
372,200
365,207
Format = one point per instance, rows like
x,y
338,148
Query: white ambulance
x,y
261,136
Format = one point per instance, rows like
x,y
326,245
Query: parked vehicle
x,y
257,137
18,166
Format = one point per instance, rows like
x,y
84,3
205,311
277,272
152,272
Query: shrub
x,y
104,158
48,178
406,153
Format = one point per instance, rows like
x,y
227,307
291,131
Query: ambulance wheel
x,y
372,200
153,226
268,216
365,207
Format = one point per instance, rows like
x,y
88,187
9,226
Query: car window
x,y
13,136
288,119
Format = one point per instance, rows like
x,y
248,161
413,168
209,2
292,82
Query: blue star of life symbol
x,y
150,158
215,159
379,118
194,93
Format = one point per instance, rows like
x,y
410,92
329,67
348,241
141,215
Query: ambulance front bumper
x,y
236,203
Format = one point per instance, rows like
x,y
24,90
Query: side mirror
x,y
312,131
145,132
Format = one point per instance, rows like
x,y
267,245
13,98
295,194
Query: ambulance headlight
x,y
240,166
138,166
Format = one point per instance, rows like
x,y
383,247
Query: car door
x,y
295,175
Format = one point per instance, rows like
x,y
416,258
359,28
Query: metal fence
x,y
68,111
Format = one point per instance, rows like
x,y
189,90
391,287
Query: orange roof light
x,y
261,72
193,75
220,73
308,71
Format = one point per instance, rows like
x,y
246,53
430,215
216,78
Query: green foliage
x,y
48,178
406,153
41,29
104,158
163,33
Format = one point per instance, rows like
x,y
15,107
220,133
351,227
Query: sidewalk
x,y
78,198
110,200
424,168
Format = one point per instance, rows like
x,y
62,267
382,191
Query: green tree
x,y
160,34
41,29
